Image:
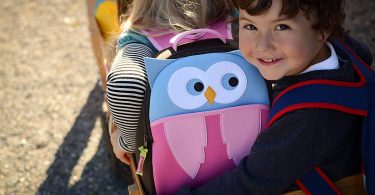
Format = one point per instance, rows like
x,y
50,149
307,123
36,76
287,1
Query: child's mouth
x,y
268,62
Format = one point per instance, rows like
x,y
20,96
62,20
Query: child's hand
x,y
119,152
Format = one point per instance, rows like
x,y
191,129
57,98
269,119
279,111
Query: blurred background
x,y
51,139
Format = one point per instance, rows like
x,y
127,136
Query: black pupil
x,y
233,81
198,86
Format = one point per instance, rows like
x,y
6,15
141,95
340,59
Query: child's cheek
x,y
244,47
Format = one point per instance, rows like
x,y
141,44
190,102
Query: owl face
x,y
203,83
191,87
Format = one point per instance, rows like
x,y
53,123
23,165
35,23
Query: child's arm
x,y
126,87
117,149
288,150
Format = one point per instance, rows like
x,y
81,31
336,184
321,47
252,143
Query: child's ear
x,y
323,35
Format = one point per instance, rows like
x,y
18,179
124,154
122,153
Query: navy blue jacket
x,y
298,141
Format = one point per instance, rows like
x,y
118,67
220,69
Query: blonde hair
x,y
178,15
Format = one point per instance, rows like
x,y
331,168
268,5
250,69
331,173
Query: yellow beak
x,y
210,95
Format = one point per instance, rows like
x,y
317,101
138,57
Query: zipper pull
x,y
142,158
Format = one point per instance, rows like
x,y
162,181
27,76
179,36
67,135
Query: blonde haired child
x,y
127,80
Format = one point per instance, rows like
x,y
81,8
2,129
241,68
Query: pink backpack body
x,y
198,135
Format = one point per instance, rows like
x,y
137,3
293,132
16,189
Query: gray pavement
x,y
51,135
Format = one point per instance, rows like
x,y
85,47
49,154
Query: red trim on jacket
x,y
303,187
328,181
316,105
351,51
360,83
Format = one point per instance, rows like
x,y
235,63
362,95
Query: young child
x,y
127,79
289,42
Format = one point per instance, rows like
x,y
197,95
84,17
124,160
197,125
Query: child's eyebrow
x,y
243,18
281,18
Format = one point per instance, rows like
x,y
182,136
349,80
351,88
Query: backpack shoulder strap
x,y
316,182
342,96
368,133
349,97
356,60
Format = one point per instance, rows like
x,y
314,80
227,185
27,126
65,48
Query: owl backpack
x,y
204,107
351,97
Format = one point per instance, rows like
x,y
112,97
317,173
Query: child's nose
x,y
264,42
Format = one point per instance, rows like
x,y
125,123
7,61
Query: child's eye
x,y
282,27
250,27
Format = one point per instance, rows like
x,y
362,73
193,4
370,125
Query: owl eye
x,y
229,81
195,87
233,81
198,87
186,87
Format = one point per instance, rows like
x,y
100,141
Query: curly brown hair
x,y
328,15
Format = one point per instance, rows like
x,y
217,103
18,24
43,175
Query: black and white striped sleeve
x,y
126,86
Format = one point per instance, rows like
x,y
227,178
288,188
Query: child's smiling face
x,y
279,46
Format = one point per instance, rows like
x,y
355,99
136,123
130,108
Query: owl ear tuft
x,y
154,67
236,52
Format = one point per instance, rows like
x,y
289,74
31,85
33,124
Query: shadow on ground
x,y
98,176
